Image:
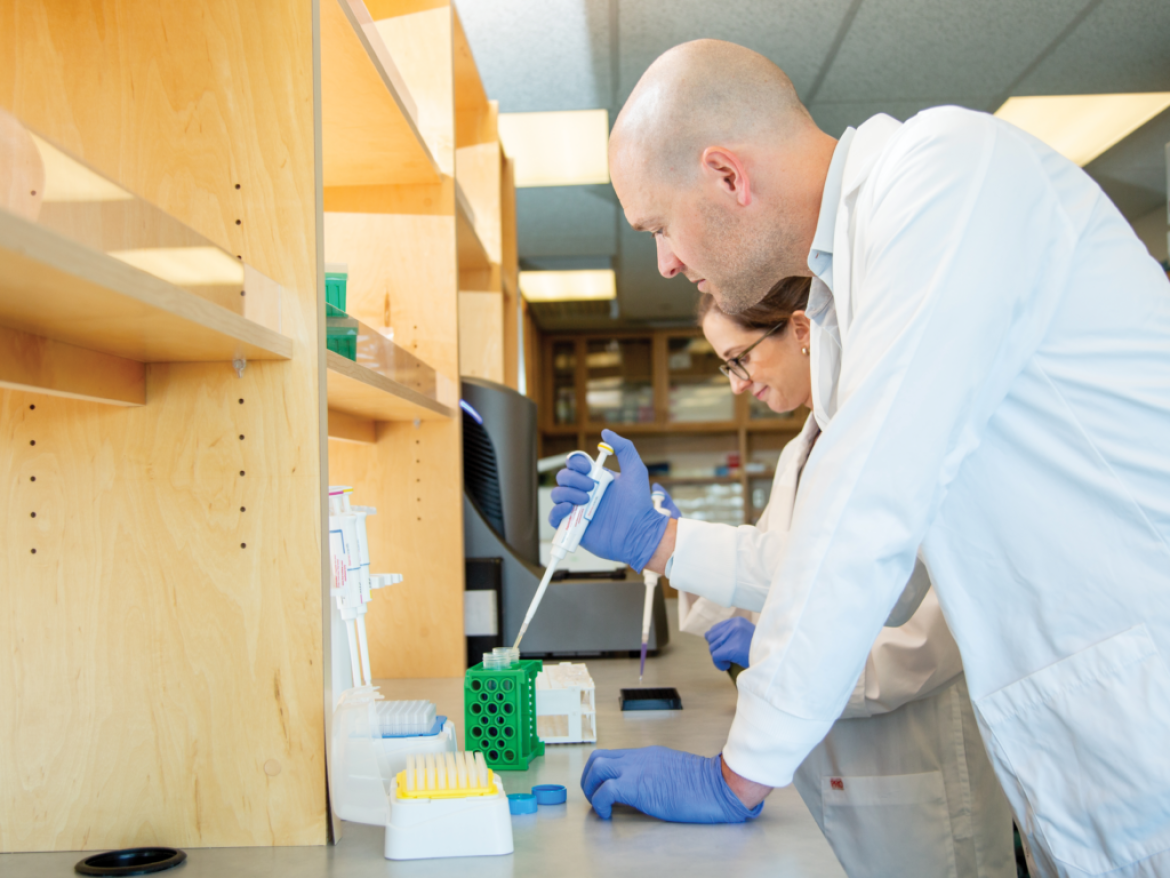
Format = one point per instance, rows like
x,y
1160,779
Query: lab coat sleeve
x,y
959,254
730,566
908,663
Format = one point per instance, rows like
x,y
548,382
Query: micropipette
x,y
651,579
571,529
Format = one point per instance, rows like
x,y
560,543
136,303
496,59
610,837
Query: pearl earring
x,y
804,351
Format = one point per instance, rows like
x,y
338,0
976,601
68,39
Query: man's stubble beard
x,y
750,260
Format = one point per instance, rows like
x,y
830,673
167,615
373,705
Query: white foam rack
x,y
566,706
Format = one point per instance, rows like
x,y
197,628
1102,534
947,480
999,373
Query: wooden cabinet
x,y
166,452
714,450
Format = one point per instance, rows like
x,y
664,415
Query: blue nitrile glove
x,y
730,642
664,783
667,502
625,526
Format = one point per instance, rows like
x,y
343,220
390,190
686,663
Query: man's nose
x,y
668,264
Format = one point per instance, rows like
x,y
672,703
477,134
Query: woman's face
x,y
780,374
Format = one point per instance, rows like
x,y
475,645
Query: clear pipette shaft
x,y
536,599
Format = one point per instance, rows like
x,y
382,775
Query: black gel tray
x,y
666,698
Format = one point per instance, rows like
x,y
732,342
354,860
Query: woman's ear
x,y
801,328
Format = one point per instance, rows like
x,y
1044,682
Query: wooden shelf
x,y
57,289
697,480
472,253
364,393
369,131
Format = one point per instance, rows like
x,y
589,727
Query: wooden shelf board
x,y
696,480
55,288
368,129
364,393
472,253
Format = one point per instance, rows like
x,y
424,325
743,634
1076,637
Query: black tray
x,y
664,698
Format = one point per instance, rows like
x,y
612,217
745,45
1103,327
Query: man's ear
x,y
728,172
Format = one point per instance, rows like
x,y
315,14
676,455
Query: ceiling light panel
x,y
567,148
596,284
1081,127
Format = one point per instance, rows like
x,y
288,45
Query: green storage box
x,y
499,715
336,277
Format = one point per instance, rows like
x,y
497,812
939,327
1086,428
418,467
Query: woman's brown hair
x,y
783,300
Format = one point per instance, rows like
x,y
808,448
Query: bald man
x,y
991,372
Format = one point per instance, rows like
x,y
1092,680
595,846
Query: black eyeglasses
x,y
735,366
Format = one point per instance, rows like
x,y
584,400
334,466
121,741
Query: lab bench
x,y
568,841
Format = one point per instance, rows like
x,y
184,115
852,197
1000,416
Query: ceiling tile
x,y
795,35
833,117
566,221
1133,173
942,50
540,54
1121,46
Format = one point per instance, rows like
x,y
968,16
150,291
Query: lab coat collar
x,y
820,256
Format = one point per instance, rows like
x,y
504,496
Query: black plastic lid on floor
x,y
132,861
664,698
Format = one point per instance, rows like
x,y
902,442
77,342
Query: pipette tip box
x,y
662,698
462,816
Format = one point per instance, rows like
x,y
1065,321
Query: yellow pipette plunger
x,y
572,528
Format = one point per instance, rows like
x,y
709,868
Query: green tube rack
x,y
499,714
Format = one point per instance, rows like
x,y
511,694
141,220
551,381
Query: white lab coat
x,y
901,785
994,359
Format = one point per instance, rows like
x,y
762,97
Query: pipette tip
x,y
642,666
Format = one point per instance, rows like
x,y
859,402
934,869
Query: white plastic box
x,y
365,763
566,711
429,828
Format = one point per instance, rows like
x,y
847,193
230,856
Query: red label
x,y
837,784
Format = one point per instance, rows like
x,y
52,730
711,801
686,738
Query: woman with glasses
x,y
902,784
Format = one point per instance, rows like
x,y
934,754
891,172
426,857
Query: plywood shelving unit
x,y
79,323
164,587
409,245
160,594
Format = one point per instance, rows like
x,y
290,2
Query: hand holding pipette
x,y
571,528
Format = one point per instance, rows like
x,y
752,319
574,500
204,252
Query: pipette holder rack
x,y
500,714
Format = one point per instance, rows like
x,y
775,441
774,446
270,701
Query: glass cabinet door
x,y
619,385
564,383
698,390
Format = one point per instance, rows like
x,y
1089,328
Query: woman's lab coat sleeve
x,y
956,249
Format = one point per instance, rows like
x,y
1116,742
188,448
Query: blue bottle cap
x,y
550,794
522,803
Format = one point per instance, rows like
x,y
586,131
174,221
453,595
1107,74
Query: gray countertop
x,y
564,840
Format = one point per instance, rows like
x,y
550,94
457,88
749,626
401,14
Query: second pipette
x,y
651,580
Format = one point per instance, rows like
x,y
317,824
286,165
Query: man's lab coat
x,y
993,362
902,784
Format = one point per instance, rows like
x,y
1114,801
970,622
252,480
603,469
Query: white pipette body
x,y
571,529
650,578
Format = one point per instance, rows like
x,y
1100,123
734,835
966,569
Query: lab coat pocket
x,y
1086,740
897,825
